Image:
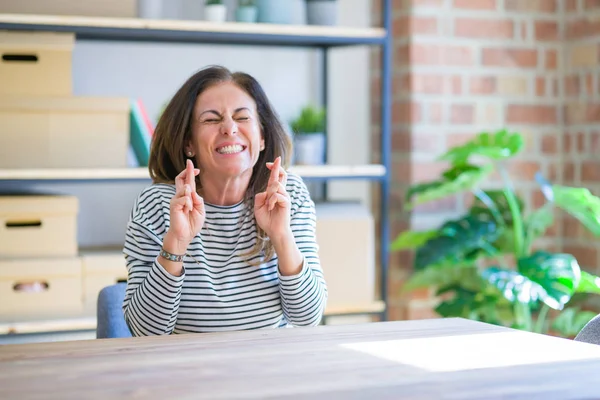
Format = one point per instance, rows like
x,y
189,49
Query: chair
x,y
590,332
110,320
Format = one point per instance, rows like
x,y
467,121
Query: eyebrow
x,y
217,113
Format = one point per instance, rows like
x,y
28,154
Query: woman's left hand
x,y
272,207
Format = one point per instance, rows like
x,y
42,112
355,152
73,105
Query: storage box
x,y
93,8
38,226
64,132
40,289
100,269
346,239
36,63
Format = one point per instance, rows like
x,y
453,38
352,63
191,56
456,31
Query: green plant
x,y
213,2
484,265
310,120
246,3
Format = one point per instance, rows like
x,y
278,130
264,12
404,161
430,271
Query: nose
x,y
228,127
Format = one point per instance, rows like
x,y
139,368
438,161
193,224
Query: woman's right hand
x,y
186,211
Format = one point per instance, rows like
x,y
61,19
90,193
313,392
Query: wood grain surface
x,y
455,359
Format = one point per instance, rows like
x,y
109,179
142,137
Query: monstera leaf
x,y
546,277
411,240
581,204
455,180
485,304
496,146
588,283
444,275
458,241
538,222
514,286
494,204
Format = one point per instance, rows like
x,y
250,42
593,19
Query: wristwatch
x,y
170,256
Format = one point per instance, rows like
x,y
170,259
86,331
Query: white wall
x,y
153,72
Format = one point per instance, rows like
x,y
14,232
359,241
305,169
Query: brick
x,y
436,113
591,5
594,143
479,28
581,28
406,141
546,31
572,85
475,5
510,57
421,311
414,25
402,56
551,59
456,84
406,112
582,113
523,170
545,6
427,83
549,144
444,205
512,85
433,54
531,114
589,85
482,84
569,172
426,171
587,256
590,171
571,5
585,55
540,86
462,113
488,114
458,139
425,3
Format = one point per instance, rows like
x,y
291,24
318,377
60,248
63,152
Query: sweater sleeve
x,y
152,295
304,296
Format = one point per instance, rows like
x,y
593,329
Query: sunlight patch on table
x,y
489,350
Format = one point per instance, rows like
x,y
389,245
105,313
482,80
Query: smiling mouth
x,y
231,149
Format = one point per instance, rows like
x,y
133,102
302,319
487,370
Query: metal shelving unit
x,y
320,38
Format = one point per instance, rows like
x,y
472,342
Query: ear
x,y
262,144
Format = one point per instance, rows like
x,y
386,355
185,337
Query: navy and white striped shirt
x,y
219,289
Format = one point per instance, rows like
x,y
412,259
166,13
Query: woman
x,y
224,238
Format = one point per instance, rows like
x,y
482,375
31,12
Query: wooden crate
x,y
346,239
38,226
36,63
64,132
100,269
40,289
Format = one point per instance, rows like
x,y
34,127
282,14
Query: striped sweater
x,y
219,289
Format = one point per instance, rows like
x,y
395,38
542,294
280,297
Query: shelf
x,y
134,29
89,323
373,172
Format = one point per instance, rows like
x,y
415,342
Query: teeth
x,y
236,148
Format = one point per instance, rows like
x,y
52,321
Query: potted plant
x,y
321,12
309,136
276,11
215,11
485,265
246,11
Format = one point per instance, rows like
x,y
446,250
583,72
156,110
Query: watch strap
x,y
170,256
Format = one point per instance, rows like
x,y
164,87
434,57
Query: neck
x,y
225,191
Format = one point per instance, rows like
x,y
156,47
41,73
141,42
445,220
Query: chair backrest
x,y
110,320
590,332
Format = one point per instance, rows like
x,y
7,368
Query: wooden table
x,y
445,358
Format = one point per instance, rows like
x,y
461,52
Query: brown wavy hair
x,y
174,130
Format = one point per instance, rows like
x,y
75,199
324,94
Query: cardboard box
x,y
38,226
100,269
40,289
346,239
36,63
64,132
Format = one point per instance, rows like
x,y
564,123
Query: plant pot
x,y
150,9
215,13
321,12
275,11
309,149
246,14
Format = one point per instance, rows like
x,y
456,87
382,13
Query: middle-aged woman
x,y
224,238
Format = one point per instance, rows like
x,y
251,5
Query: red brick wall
x,y
464,66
